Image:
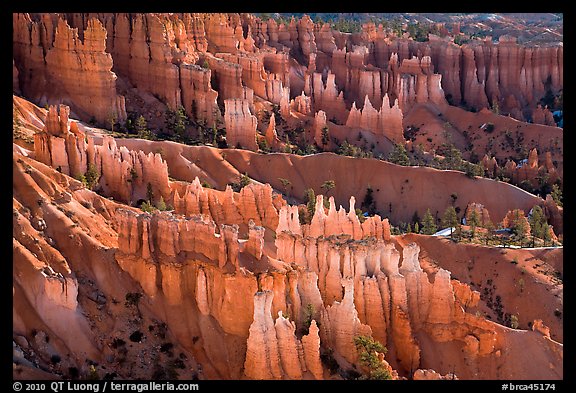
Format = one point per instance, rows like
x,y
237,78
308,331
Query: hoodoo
x,y
277,197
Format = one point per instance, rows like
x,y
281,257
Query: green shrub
x,y
368,350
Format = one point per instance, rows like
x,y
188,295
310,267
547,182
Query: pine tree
x,y
547,235
325,136
149,193
415,217
92,176
409,229
140,124
368,350
112,118
399,155
537,224
310,198
450,218
520,227
416,228
428,225
489,231
244,180
368,203
214,134
557,194
285,182
161,205
474,221
328,185
176,121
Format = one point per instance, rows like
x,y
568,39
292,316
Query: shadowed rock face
x,y
250,284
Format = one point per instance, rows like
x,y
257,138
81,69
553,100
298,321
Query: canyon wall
x,y
55,65
155,52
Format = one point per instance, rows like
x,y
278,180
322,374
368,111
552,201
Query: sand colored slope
x,y
525,280
463,127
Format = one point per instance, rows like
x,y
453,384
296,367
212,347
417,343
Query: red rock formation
x,y
543,116
149,49
198,97
531,171
326,96
262,356
306,39
278,63
319,124
490,165
514,76
324,39
271,135
369,85
58,147
387,121
222,34
123,174
150,66
171,236
353,76
481,212
31,41
311,346
366,118
341,320
474,89
554,213
290,349
287,33
222,277
78,72
285,103
240,124
255,242
415,83
253,74
410,302
229,77
274,89
512,217
301,104
253,202
272,30
195,31
273,351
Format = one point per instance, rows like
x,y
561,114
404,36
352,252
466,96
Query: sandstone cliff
x,y
387,121
240,125
57,66
122,174
239,284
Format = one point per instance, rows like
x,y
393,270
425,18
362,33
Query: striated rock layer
x,y
55,65
240,124
327,282
121,173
